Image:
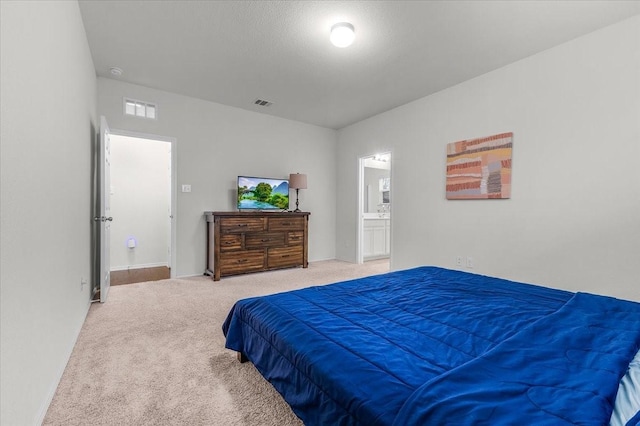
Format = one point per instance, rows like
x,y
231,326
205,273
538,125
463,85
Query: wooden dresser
x,y
246,242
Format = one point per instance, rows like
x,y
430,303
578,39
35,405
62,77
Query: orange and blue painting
x,y
480,168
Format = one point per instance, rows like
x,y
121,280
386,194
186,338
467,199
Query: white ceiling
x,y
233,52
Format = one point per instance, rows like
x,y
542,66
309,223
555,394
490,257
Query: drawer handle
x,y
294,238
265,240
228,242
286,255
286,223
242,225
243,260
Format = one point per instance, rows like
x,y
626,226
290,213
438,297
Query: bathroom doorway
x,y
374,211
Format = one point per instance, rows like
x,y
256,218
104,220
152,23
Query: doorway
x,y
374,207
142,197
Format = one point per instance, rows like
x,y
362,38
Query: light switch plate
x,y
186,188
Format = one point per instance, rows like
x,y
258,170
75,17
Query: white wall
x,y
573,219
215,144
140,202
48,126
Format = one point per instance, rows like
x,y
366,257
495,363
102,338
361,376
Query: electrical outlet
x,y
186,188
83,282
458,260
469,262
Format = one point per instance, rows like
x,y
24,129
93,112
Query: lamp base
x,y
297,210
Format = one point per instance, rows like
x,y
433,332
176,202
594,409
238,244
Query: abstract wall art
x,y
480,168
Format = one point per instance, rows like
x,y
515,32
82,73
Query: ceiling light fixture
x,y
115,71
342,34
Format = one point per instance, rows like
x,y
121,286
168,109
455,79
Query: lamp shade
x,y
297,181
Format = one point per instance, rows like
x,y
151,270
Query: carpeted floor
x,y
154,354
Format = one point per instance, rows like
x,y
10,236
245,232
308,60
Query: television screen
x,y
262,193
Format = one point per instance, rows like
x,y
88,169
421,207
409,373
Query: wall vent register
x,y
141,109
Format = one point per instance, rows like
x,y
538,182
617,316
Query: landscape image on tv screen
x,y
262,193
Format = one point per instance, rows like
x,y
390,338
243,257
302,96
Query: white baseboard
x,y
54,386
140,266
190,276
324,260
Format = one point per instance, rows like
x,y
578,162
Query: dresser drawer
x,y
295,238
241,261
239,224
286,223
279,257
230,242
264,239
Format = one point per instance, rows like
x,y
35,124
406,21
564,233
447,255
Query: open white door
x,y
105,209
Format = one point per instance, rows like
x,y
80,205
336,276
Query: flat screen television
x,y
258,193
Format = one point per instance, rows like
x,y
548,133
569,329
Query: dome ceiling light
x,y
342,34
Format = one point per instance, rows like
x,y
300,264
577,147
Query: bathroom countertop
x,y
376,216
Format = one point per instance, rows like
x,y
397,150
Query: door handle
x,y
103,218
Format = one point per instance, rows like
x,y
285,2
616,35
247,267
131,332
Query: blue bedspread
x,y
434,346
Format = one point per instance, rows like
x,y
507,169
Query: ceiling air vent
x,y
262,102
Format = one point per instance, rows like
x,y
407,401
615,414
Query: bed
x,y
435,346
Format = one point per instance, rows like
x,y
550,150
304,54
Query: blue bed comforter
x,y
435,346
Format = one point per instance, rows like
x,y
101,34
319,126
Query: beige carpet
x,y
154,354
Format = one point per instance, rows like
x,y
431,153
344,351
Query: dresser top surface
x,y
257,214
